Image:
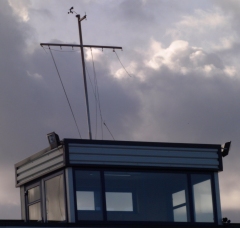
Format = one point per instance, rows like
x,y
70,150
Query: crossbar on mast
x,y
77,45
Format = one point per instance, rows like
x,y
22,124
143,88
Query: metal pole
x,y
84,73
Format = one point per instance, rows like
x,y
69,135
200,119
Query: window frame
x,y
41,183
186,204
46,178
102,197
189,199
213,196
27,188
122,189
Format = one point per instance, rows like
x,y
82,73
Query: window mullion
x,y
190,198
104,206
214,198
180,205
43,202
37,199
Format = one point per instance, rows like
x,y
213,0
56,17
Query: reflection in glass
x,y
180,214
85,200
119,201
55,199
88,195
35,211
179,206
33,194
203,205
179,198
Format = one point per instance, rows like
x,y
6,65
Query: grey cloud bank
x,y
184,85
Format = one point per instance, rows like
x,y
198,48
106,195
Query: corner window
x,y
45,200
203,203
34,203
55,199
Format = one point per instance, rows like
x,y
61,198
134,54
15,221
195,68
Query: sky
x,y
180,81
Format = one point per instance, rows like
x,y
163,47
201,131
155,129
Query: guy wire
x,y
109,130
65,94
94,92
122,64
97,92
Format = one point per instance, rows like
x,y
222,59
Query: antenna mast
x,y
84,73
83,60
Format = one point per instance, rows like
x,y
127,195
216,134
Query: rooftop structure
x,y
109,183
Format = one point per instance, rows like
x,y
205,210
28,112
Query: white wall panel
x,y
39,165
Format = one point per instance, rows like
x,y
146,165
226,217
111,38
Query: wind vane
x,y
81,45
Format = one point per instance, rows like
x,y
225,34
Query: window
x,y
33,198
203,203
55,199
88,195
45,200
179,206
143,196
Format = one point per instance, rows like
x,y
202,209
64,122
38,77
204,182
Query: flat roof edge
x,y
140,143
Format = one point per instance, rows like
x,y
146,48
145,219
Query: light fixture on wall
x,y
226,149
53,140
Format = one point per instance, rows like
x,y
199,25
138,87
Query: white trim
x,y
70,195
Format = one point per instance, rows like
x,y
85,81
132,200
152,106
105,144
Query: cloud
x,y
184,87
230,71
203,19
200,23
225,43
34,75
20,8
212,23
230,200
96,53
180,57
9,195
130,71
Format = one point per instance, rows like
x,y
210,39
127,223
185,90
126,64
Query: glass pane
x,y
119,201
88,195
33,194
180,214
85,201
35,211
145,196
203,204
55,199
